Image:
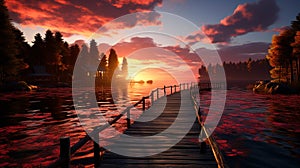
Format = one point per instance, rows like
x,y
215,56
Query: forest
x,y
50,56
284,54
250,70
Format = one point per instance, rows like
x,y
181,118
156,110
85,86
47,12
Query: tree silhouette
x,y
124,68
296,23
71,58
94,54
22,46
112,63
296,53
54,51
10,65
237,71
36,57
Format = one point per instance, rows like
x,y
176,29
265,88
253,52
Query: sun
x,y
143,75
154,74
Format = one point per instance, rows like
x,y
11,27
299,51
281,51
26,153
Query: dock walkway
x,y
186,153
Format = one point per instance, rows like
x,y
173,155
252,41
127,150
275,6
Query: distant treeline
x,y
249,70
50,56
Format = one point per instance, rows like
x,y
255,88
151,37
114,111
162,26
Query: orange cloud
x,y
77,17
121,3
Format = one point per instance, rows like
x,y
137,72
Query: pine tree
x,y
36,57
10,65
296,53
124,68
83,58
112,63
102,68
103,63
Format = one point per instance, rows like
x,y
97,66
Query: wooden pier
x,y
188,152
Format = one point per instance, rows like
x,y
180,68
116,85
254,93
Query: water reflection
x,y
253,130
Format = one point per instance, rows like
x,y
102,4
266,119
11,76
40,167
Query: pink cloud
x,y
78,17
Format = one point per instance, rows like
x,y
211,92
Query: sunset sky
x,y
238,29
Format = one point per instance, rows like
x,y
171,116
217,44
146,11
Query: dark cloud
x,y
257,50
77,16
248,17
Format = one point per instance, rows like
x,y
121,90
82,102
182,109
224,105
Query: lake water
x,y
255,130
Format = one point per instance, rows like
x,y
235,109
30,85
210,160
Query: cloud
x,y
79,43
248,17
257,50
79,17
136,43
145,51
148,52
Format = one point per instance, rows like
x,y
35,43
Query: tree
x,y
83,57
71,59
296,53
280,56
296,23
10,65
283,54
112,62
36,57
55,47
22,46
249,65
102,69
94,54
124,68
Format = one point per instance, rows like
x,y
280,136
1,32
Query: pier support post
x,y
157,93
152,98
65,151
144,104
171,90
128,118
165,90
203,147
96,150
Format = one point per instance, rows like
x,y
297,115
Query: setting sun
x,y
154,74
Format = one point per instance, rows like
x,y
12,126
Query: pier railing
x,y
212,142
66,151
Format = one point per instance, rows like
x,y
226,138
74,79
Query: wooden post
x,y
171,90
165,90
65,151
157,93
152,98
175,88
96,150
203,147
144,102
128,118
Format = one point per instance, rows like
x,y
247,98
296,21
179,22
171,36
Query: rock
x,y
272,87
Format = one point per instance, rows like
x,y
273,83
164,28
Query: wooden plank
x,y
185,153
